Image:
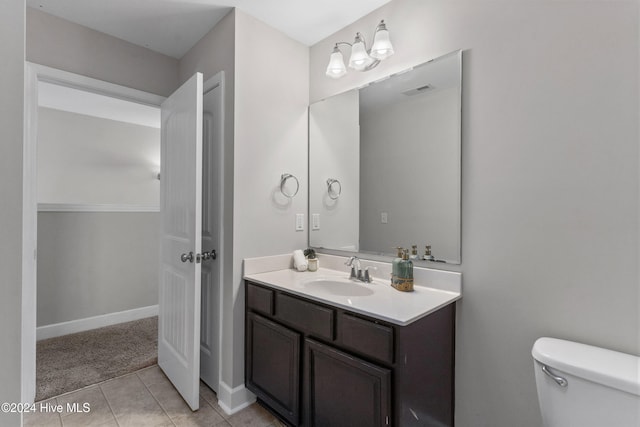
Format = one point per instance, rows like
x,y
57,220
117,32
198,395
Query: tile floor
x,y
144,398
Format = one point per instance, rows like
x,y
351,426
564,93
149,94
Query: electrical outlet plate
x,y
384,217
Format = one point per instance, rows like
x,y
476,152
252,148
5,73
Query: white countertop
x,y
377,299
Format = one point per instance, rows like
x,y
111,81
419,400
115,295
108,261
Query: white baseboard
x,y
233,400
73,326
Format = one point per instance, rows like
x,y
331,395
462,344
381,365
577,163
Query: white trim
x,y
70,207
29,236
233,400
77,81
88,323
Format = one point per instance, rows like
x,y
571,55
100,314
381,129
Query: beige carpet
x,y
74,361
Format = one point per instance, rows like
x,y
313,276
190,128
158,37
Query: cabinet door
x,y
342,390
273,365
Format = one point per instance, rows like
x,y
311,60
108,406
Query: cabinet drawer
x,y
312,318
260,299
366,337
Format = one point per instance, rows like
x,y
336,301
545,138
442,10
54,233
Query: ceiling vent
x,y
418,90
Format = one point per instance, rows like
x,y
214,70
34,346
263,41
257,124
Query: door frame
x,y
218,80
35,73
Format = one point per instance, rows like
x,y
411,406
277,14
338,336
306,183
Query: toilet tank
x,y
602,386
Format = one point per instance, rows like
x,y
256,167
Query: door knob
x,y
209,255
187,257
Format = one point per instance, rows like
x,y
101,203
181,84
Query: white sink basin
x,y
340,287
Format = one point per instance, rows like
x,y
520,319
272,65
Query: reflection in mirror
x,y
394,147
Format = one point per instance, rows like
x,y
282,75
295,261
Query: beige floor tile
x,y
253,416
99,413
210,396
175,406
152,375
132,404
41,418
206,416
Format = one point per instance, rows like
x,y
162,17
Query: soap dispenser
x,y
395,263
403,281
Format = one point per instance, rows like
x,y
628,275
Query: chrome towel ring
x,y
334,188
283,185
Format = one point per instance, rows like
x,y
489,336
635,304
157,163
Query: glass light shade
x,y
382,48
359,59
336,68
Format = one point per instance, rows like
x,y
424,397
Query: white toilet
x,y
584,386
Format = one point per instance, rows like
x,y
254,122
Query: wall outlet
x,y
299,222
384,217
315,222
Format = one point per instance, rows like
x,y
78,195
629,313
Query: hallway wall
x,y
68,46
11,119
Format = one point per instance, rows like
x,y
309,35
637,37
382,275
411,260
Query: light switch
x,y
315,222
299,222
384,217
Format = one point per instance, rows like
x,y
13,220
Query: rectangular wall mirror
x,y
385,164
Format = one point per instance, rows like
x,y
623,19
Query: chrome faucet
x,y
356,271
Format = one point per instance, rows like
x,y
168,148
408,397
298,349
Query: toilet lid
x,y
611,368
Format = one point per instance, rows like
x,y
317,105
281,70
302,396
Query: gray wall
x,y
550,180
11,116
62,44
92,160
94,263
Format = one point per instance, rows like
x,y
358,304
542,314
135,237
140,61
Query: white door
x,y
181,239
212,137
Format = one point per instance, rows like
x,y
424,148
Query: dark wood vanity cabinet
x,y
319,365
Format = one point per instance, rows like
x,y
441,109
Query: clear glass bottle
x,y
414,252
427,254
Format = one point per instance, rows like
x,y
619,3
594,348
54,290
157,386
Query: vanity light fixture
x,y
361,59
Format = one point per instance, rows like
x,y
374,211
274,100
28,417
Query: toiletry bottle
x,y
395,262
414,252
427,254
404,280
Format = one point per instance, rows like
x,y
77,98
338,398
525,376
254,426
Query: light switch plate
x,y
299,222
384,217
315,222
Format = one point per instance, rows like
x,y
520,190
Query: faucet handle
x,y
353,272
367,276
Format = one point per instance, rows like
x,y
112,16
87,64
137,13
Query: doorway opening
x,y
81,219
98,227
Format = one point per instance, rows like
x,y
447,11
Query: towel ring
x,y
283,182
333,194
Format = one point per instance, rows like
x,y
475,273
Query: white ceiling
x,y
172,27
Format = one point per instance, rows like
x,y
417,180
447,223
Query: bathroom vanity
x,y
325,351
